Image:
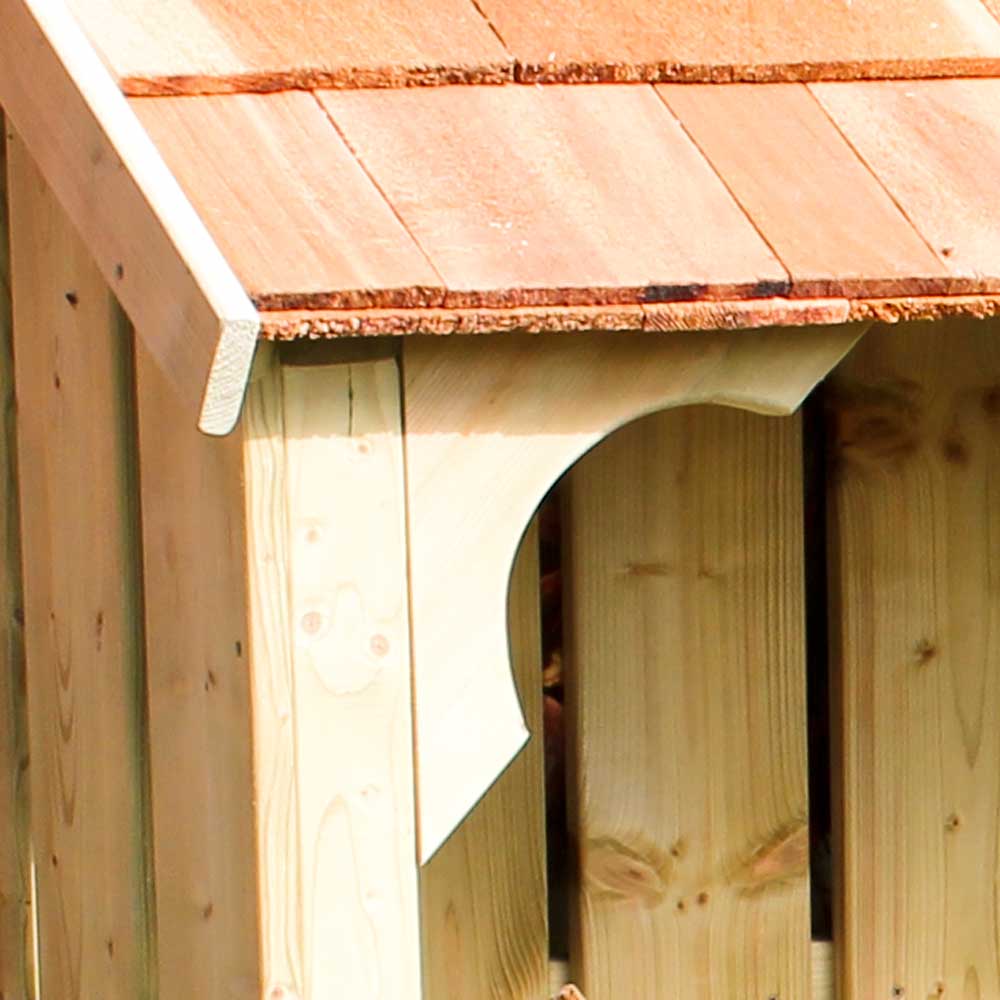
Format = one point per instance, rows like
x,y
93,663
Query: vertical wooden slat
x,y
16,975
280,873
195,565
351,703
686,675
483,895
915,587
83,608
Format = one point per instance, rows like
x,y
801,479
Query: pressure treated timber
x,y
913,526
555,195
202,46
715,40
821,210
299,220
351,708
477,467
483,895
83,606
149,244
685,660
277,826
199,700
16,917
927,141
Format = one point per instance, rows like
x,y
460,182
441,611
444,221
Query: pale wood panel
x,y
559,195
194,556
351,696
202,46
685,665
631,40
477,468
299,220
83,606
147,241
483,895
914,525
935,145
280,872
821,953
819,207
16,977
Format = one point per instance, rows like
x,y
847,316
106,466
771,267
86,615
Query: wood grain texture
x,y
276,799
935,146
16,916
913,523
556,195
203,46
289,205
685,664
821,210
351,710
726,315
483,895
148,243
477,467
83,606
597,40
199,702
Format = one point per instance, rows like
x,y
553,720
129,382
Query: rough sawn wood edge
x,y
149,243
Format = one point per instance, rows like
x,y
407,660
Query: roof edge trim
x,y
188,308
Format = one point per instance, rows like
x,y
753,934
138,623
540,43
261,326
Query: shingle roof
x,y
400,166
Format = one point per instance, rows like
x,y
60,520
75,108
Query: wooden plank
x,y
299,220
483,895
149,244
351,709
195,564
830,222
83,606
536,195
821,953
279,860
913,520
629,40
704,315
685,662
206,46
16,917
935,146
477,468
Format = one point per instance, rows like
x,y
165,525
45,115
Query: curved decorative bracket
x,y
490,425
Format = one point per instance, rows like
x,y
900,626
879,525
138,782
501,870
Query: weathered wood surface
x,y
591,40
351,704
477,467
199,46
194,558
204,46
914,510
824,214
929,143
16,918
290,206
685,665
557,195
483,895
83,606
150,246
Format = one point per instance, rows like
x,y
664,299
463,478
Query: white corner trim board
x,y
149,243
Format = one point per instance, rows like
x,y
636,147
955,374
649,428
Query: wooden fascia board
x,y
149,243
